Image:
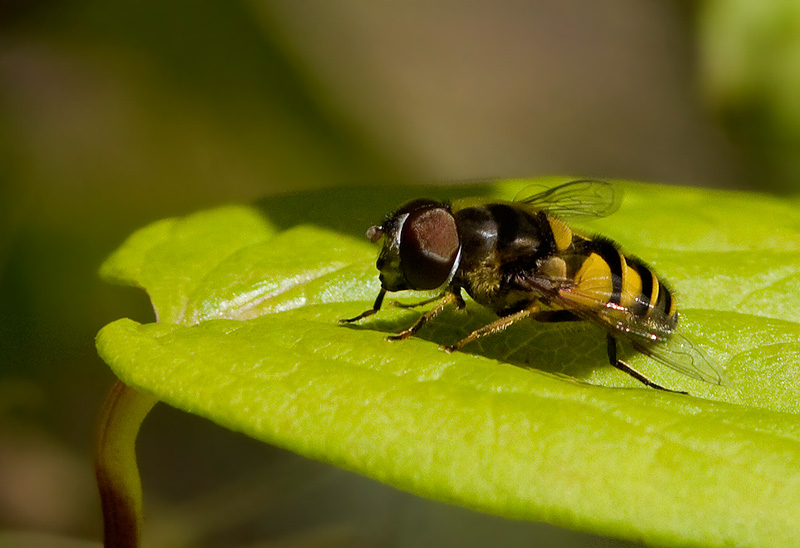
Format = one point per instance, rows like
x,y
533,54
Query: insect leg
x,y
370,312
449,298
417,304
622,366
496,326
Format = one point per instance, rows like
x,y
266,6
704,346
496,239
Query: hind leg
x,y
622,366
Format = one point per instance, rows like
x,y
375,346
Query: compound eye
x,y
429,246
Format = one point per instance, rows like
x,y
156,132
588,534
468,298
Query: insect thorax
x,y
498,242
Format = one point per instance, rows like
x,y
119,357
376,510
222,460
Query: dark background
x,y
115,114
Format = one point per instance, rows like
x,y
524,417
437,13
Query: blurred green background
x,y
115,115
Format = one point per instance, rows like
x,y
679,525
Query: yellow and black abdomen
x,y
621,290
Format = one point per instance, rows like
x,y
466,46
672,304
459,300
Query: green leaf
x,y
531,423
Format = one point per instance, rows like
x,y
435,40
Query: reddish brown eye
x,y
429,246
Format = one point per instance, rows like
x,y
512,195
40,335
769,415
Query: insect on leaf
x,y
531,424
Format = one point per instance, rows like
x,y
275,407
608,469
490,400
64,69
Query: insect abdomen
x,y
604,277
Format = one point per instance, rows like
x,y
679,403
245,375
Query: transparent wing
x,y
651,334
681,354
575,200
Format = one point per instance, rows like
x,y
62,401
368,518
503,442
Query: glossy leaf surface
x,y
530,424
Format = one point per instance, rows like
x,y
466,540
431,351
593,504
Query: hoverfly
x,y
521,260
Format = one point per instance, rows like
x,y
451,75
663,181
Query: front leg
x,y
453,296
375,307
418,303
